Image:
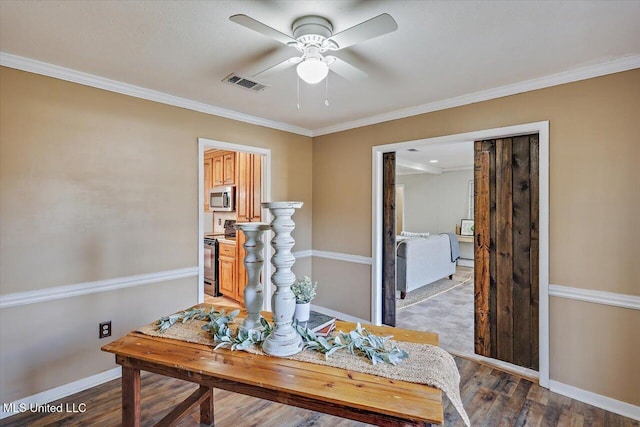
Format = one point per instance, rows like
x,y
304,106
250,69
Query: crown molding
x,y
30,65
86,79
614,66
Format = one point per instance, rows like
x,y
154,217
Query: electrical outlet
x,y
105,329
219,221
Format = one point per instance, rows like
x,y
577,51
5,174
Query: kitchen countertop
x,y
221,238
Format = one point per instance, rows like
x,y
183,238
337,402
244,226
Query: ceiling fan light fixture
x,y
312,70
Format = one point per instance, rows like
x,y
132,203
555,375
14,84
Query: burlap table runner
x,y
427,364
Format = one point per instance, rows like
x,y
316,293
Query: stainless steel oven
x,y
211,283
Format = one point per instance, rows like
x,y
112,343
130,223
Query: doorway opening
x,y
245,173
434,288
378,296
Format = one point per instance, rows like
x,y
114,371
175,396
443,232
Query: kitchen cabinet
x,y
242,271
209,170
249,187
229,168
218,171
227,271
208,180
224,168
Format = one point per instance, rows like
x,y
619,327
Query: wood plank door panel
x,y
482,252
389,239
507,276
504,261
521,235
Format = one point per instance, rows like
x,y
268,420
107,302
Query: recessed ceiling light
x,y
412,149
433,161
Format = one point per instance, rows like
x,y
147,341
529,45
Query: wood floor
x,y
491,397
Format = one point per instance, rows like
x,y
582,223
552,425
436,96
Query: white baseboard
x,y
597,400
338,315
527,373
463,262
62,391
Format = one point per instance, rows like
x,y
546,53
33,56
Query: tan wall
x,y
48,344
594,197
341,286
97,185
595,347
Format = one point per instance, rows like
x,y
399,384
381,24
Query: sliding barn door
x,y
506,249
389,239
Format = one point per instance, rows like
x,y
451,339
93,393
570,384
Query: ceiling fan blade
x,y
261,28
279,67
374,27
344,69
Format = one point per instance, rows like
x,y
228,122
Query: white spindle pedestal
x,y
253,261
283,340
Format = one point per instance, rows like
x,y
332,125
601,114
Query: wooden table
x,y
363,397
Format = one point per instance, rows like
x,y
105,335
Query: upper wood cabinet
x,y
208,180
218,169
229,169
249,188
209,174
224,168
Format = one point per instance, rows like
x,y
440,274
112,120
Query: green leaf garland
x,y
358,342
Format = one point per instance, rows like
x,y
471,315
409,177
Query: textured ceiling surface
x,y
441,50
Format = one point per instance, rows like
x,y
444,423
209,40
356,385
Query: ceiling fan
x,y
313,36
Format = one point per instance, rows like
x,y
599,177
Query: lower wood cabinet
x,y
227,270
232,274
242,271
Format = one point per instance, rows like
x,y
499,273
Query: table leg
x,y
206,408
130,397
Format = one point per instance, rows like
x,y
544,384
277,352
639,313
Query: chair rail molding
x,y
67,291
595,296
338,256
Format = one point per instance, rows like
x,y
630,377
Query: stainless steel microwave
x,y
223,199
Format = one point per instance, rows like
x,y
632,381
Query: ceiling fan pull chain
x,y
326,91
298,90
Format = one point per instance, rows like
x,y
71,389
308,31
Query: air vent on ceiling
x,y
244,82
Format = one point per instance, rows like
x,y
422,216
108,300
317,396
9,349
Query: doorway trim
x,y
208,144
542,129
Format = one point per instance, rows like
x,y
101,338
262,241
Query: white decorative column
x,y
283,340
253,261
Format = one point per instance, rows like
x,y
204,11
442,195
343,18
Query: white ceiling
x,y
441,50
435,158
